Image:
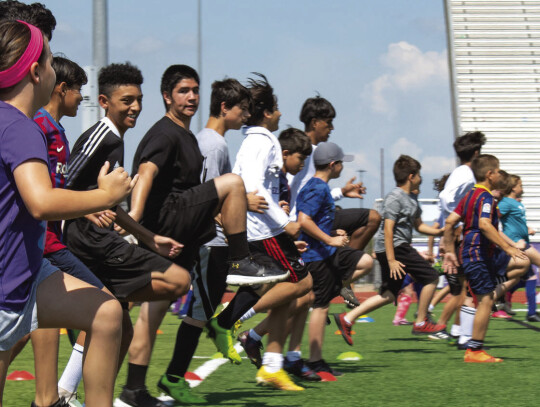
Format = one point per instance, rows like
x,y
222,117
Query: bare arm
x,y
450,263
426,229
47,203
396,267
311,228
492,234
147,172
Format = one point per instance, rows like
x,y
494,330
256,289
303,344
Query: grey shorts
x,y
15,324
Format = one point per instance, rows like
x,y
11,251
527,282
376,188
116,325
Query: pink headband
x,y
16,72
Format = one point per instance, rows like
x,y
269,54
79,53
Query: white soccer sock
x,y
272,362
430,308
455,330
251,312
294,355
72,375
466,317
254,335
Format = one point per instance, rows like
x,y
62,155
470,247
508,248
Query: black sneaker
x,y
322,366
60,403
250,271
252,347
300,369
139,398
533,318
348,296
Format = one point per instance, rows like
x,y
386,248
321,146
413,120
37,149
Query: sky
x,y
382,64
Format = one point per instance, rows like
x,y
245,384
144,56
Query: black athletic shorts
x,y
328,274
188,217
350,219
282,249
122,267
208,279
415,265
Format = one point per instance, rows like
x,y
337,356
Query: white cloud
x,y
407,68
404,146
438,165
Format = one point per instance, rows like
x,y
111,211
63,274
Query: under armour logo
x,y
235,266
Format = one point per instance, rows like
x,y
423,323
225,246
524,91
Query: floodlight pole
x,y
199,55
361,180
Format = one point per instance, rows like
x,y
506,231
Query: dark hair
x,y
36,14
295,141
316,108
69,72
174,74
403,167
439,183
114,75
468,144
482,164
262,97
229,91
14,39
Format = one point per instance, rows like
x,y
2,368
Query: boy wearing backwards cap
x,y
329,259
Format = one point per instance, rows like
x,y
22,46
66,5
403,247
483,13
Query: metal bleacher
x,y
494,55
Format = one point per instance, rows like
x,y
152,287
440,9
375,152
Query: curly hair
x,y
114,75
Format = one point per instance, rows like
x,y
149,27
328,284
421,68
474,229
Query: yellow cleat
x,y
480,356
279,380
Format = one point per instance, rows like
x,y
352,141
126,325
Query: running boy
x,y
401,213
480,258
329,260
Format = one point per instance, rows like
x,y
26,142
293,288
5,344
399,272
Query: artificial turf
x,y
397,369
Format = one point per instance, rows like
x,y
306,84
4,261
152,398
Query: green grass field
x,y
397,369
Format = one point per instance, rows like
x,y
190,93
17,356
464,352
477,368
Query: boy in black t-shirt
x,y
171,199
130,272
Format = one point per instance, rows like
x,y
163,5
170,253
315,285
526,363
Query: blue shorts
x,y
482,275
70,264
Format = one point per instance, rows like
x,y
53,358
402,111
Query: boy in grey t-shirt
x,y
395,254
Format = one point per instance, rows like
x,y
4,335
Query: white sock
x,y
455,330
466,316
347,321
254,335
251,312
72,375
272,361
294,355
430,308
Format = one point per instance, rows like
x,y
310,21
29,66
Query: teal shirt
x,y
513,219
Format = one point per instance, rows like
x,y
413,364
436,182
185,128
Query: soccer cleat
x,y
402,321
248,271
179,391
533,318
321,366
453,340
299,369
252,347
427,328
439,335
344,327
479,356
223,340
279,380
507,307
348,296
60,403
501,314
139,398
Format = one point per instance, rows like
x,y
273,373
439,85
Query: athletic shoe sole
x,y
233,279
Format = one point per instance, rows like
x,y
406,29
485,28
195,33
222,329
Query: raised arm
x,y
147,172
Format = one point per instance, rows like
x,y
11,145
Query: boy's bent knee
x,y
180,280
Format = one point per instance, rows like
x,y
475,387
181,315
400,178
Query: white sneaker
x,y
439,335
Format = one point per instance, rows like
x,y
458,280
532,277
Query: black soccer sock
x,y
187,339
475,344
238,246
136,376
244,299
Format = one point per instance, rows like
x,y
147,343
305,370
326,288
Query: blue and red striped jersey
x,y
478,203
58,149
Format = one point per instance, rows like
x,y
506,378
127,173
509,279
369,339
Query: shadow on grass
x,y
411,339
252,397
357,368
423,350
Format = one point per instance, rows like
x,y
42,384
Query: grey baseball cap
x,y
327,152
